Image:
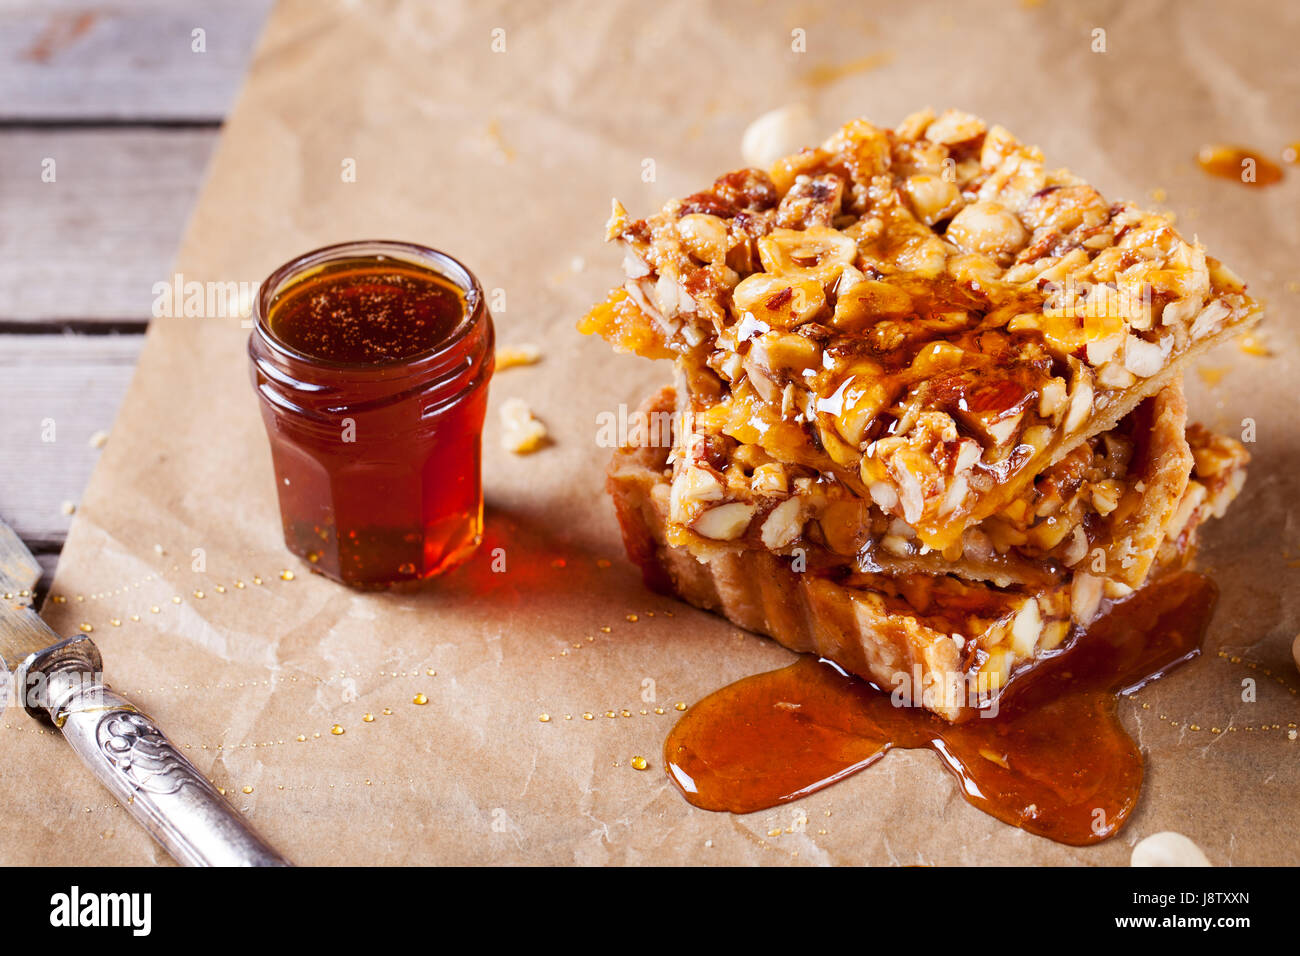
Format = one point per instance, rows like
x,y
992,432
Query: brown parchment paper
x,y
508,160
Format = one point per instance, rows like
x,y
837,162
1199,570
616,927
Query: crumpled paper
x,y
499,133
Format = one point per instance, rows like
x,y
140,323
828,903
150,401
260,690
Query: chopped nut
x,y
634,267
509,357
1002,431
910,495
815,253
1037,437
777,133
769,479
1102,350
1085,597
782,525
977,545
693,485
1179,311
1145,359
1114,375
671,298
1209,319
1115,590
705,236
1167,848
968,453
1053,634
1026,628
955,495
618,220
1106,495
884,495
777,301
99,439
867,302
725,522
932,197
901,528
1051,398
954,126
1080,405
898,546
732,366
988,228
748,456
862,404
811,201
1077,549
782,353
996,670
523,433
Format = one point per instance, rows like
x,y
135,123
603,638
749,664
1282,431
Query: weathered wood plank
x,y
56,392
84,250
91,244
73,59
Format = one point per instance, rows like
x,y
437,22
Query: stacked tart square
x,y
928,416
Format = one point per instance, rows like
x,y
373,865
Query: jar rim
x,y
445,265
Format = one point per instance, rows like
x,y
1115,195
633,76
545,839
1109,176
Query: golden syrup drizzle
x,y
1055,761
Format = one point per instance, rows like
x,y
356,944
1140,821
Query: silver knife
x,y
61,681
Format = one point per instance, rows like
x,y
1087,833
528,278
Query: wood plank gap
x,y
61,326
18,123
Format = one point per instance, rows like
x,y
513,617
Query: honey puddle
x,y
1055,761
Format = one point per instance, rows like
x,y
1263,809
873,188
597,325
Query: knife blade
x,y
61,681
19,572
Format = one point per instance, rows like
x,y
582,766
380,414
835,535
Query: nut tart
x,y
929,313
951,645
1103,507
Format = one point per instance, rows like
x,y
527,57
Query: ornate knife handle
x,y
133,758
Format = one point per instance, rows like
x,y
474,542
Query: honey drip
x,y
1228,162
1055,761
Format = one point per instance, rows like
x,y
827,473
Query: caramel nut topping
x,y
893,302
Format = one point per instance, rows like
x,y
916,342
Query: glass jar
x,y
377,463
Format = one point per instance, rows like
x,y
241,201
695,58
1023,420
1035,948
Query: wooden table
x,y
108,115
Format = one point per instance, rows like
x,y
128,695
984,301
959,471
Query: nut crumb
x,y
1167,848
777,133
523,434
68,507
99,439
510,356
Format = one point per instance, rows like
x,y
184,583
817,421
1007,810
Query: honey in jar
x,y
372,361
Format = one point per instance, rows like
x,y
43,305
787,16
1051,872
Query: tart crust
x,y
950,645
